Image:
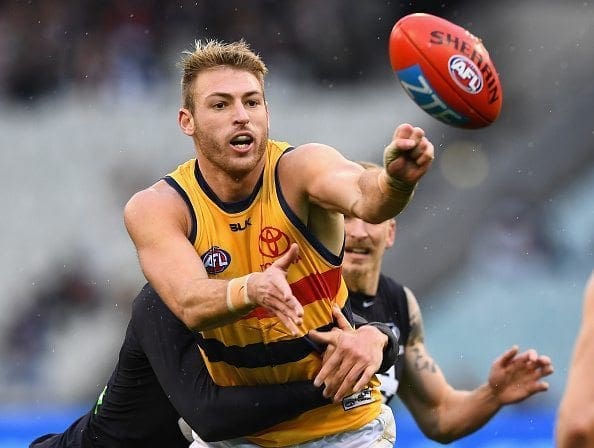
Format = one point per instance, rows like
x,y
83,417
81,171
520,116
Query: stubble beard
x,y
236,168
354,276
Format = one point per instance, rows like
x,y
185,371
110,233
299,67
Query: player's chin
x,y
355,258
245,163
353,269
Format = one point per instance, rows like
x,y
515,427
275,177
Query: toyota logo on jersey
x,y
272,242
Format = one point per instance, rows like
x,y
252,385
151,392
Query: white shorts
x,y
379,433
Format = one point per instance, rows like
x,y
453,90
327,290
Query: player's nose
x,y
240,114
355,228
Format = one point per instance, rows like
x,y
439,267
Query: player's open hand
x,y
515,376
408,156
271,290
351,358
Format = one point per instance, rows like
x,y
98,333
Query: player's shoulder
x,y
158,201
390,284
157,194
310,161
397,293
305,151
277,149
279,145
301,164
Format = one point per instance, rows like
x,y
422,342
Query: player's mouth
x,y
357,251
242,142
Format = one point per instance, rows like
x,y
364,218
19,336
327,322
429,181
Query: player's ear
x,y
186,121
391,233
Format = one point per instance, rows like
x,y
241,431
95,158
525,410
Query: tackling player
x,y
160,377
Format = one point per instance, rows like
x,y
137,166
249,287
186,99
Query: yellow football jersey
x,y
234,239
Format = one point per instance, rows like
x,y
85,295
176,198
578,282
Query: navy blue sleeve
x,y
215,413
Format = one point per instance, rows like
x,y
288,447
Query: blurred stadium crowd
x,y
50,46
503,227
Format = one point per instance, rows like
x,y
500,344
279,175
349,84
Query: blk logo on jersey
x,y
238,227
216,260
272,242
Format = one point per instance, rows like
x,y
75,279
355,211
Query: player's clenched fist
x,y
271,290
407,158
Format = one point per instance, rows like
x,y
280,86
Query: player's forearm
x,y
214,412
379,199
575,429
204,304
229,412
575,417
463,412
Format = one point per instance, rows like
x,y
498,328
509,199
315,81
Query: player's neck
x,y
232,187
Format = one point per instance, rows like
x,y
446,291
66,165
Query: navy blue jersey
x,y
388,306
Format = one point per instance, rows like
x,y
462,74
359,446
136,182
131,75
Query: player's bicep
x,y
417,331
423,385
326,178
157,225
422,378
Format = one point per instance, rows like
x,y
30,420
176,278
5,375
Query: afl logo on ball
x,y
216,260
273,242
466,74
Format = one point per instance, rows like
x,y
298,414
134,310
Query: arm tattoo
x,y
416,338
422,362
417,333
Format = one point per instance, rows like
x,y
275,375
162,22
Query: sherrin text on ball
x,y
446,70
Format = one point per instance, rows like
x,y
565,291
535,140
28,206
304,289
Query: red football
x,y
445,70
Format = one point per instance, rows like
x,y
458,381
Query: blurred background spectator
x,y
503,225
60,297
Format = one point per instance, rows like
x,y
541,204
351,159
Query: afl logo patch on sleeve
x,y
216,260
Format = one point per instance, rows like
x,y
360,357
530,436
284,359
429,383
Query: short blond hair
x,y
212,53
